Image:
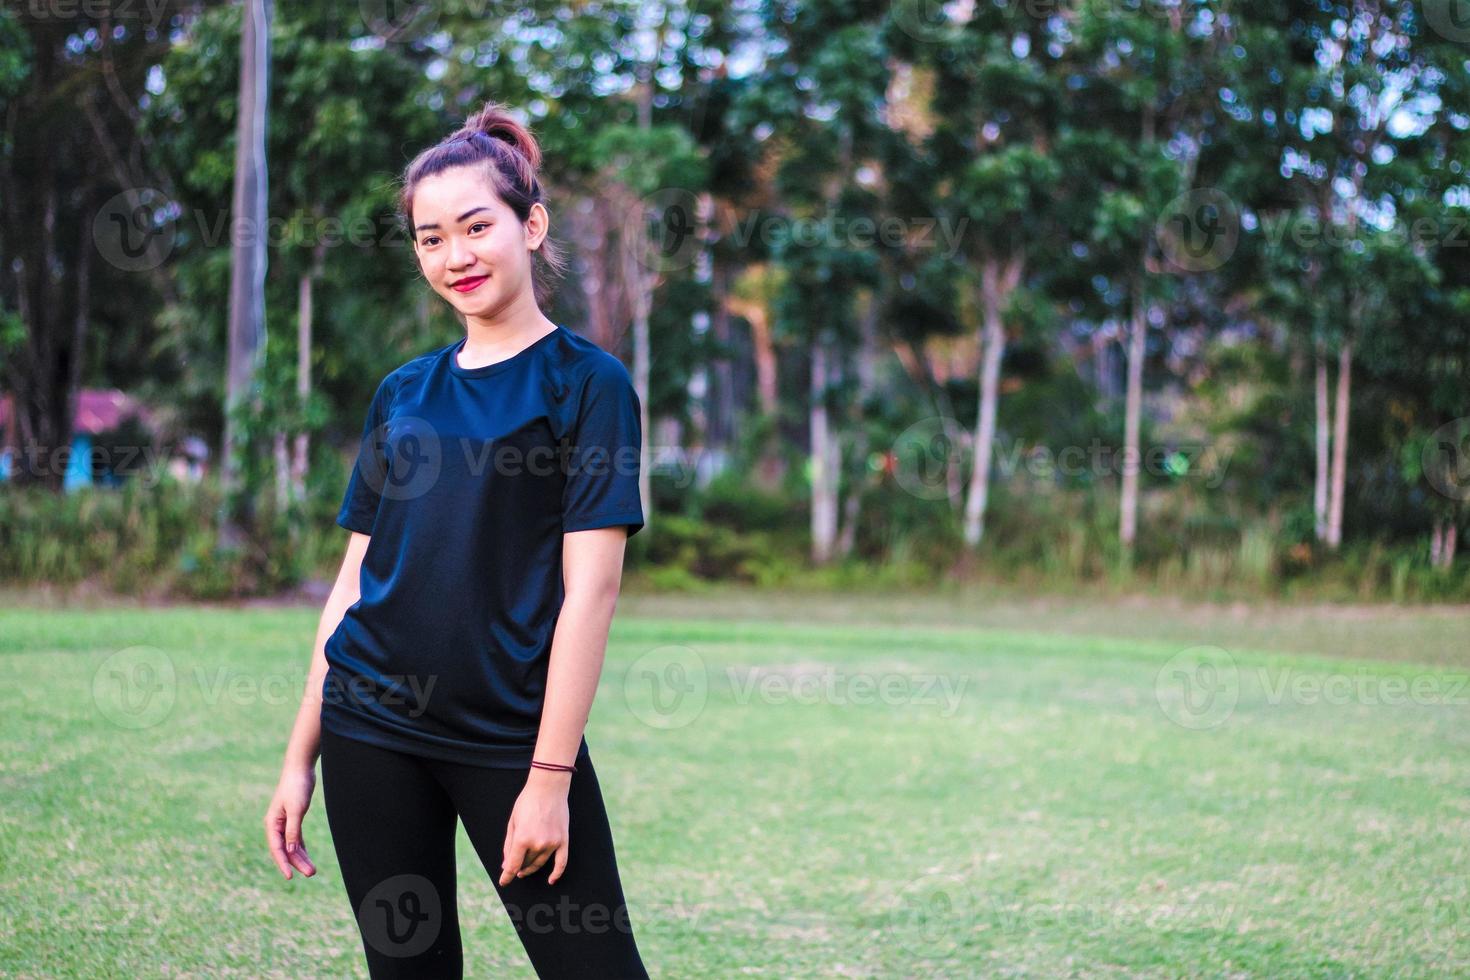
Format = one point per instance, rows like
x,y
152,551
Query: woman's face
x,y
471,247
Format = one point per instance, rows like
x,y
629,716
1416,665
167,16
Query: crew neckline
x,y
504,364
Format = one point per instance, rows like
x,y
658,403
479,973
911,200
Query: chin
x,y
468,304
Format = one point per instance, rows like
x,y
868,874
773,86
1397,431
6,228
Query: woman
x,y
458,655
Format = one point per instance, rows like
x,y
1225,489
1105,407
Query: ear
x,y
538,223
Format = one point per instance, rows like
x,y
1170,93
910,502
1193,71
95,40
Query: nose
x,y
460,255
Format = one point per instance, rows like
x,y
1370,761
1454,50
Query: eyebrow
x,y
483,207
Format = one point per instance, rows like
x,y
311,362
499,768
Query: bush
x,y
705,550
152,540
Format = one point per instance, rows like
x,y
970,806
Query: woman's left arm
x,y
592,573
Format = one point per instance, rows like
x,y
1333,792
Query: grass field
x,y
804,786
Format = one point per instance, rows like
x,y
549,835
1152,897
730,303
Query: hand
x,y
538,828
283,822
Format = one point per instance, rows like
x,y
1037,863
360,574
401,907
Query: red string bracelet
x,y
553,766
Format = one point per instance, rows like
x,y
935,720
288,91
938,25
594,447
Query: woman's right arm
x,y
288,807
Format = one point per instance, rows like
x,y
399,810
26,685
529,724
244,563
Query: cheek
x,y
506,247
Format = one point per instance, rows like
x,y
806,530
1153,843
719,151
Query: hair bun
x,y
495,121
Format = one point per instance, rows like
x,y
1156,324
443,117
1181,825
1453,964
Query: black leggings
x,y
392,817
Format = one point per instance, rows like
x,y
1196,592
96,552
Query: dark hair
x,y
494,141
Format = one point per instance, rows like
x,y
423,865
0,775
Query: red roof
x,y
98,409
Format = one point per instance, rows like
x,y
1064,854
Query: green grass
x,y
1069,814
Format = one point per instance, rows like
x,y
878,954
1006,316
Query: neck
x,y
508,328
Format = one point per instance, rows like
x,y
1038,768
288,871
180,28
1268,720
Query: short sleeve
x,y
364,487
606,440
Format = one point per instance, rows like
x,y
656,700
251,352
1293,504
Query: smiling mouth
x,y
466,285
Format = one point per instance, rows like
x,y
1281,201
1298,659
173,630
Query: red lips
x,y
465,285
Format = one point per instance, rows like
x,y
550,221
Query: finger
x,y
275,821
296,846
559,865
537,860
512,858
302,860
513,863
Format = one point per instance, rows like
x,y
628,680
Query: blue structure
x,y
79,463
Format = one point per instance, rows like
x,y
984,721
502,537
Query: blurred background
x,y
1056,462
1163,295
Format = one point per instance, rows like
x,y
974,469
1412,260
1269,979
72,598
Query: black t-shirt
x,y
466,480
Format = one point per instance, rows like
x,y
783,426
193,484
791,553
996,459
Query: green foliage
x,y
729,501
15,55
152,541
706,550
1061,148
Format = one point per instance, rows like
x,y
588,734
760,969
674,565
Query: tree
x,y
76,187
1148,80
346,110
822,96
997,111
1345,101
248,257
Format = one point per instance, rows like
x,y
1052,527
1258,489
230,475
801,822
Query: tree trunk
x,y
770,468
644,281
306,324
306,304
80,323
39,375
997,282
1324,441
282,470
824,458
720,430
641,357
1339,445
763,346
290,467
867,378
1133,421
1442,543
641,278
601,281
248,262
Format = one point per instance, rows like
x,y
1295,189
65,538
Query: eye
x,y
479,224
428,239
